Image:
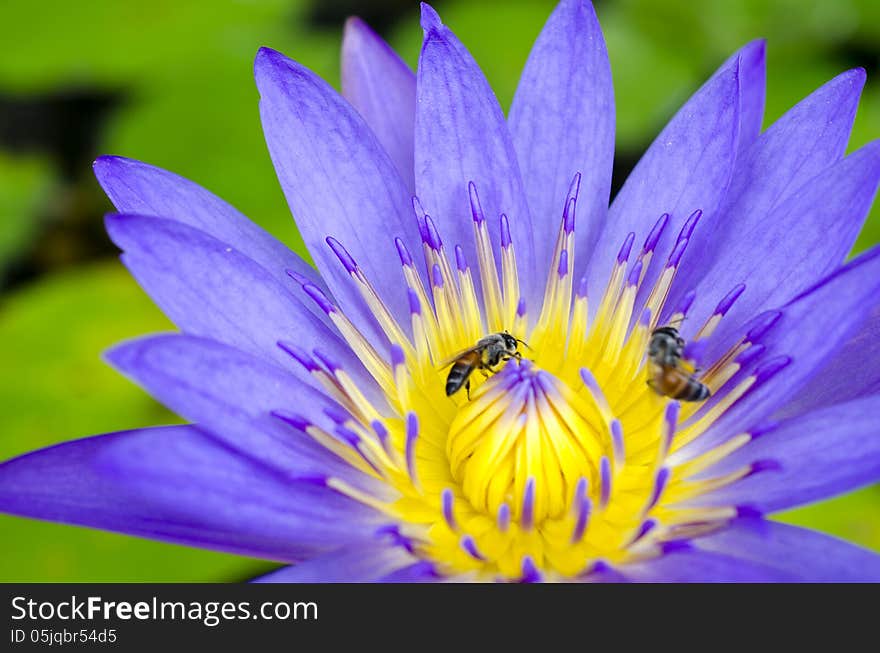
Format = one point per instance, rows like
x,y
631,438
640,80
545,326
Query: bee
x,y
485,355
669,375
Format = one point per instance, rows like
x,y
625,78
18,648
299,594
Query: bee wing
x,y
446,362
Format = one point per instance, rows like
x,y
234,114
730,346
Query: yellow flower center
x,y
547,465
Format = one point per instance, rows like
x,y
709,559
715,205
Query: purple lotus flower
x,y
322,434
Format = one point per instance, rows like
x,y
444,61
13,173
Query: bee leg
x,y
467,389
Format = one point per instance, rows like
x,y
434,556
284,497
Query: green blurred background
x,y
170,82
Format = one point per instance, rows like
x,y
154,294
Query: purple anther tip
x,y
689,225
562,270
750,355
671,415
460,260
437,276
300,355
341,253
617,438
763,429
659,486
583,285
764,466
412,425
521,307
530,573
568,216
433,236
725,304
677,253
397,355
763,323
470,547
380,430
347,435
397,539
655,233
746,511
646,527
311,479
768,369
295,420
403,252
505,232
318,297
337,414
584,508
635,274
626,248
503,517
686,302
645,318
590,381
671,546
329,363
605,481
527,519
415,306
574,188
476,209
447,499
296,276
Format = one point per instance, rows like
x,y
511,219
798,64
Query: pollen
x,y
558,459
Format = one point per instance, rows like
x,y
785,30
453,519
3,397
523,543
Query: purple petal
x,y
178,484
562,122
383,89
462,137
233,395
787,213
363,563
852,372
753,83
809,331
806,555
338,181
688,167
815,456
210,289
141,189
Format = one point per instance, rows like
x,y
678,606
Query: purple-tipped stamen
x,y
521,307
447,500
750,355
528,506
348,436
655,233
403,252
296,276
670,424
415,305
503,518
659,487
505,232
530,573
319,298
686,302
645,319
342,254
568,216
762,324
396,537
460,260
763,429
604,482
470,547
763,466
725,304
646,527
299,355
420,218
584,508
476,209
635,274
397,355
437,276
331,365
617,442
412,434
768,369
689,225
626,248
677,253
295,420
338,415
433,236
381,432
583,284
562,270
